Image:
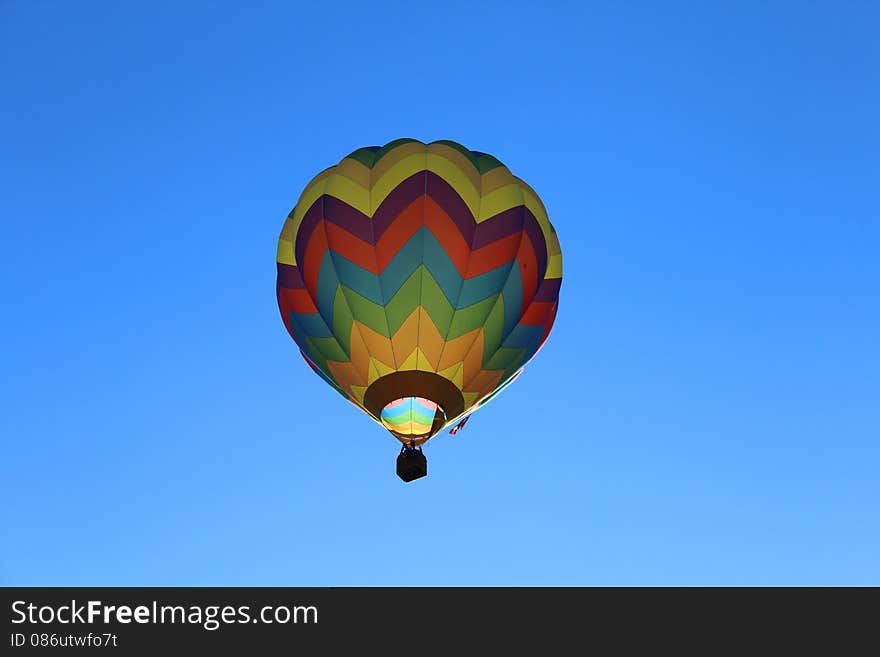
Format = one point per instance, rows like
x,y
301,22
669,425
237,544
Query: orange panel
x,y
360,356
378,345
406,339
455,350
485,382
430,340
346,375
473,361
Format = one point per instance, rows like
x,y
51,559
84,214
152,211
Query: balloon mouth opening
x,y
413,419
443,394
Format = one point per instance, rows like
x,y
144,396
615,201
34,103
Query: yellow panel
x,y
457,179
395,155
345,189
355,171
453,373
410,362
287,228
470,398
553,244
554,267
495,178
384,182
537,209
500,200
348,191
459,160
402,170
534,203
358,392
381,368
422,362
373,373
285,253
309,195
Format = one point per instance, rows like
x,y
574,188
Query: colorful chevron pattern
x,y
411,416
424,257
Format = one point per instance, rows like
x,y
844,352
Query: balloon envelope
x,y
418,280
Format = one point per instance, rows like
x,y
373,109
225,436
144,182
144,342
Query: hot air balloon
x,y
418,280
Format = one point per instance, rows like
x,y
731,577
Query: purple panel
x,y
448,199
347,217
396,202
548,290
533,230
306,228
289,277
501,225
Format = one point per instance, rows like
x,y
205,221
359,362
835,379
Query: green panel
x,y
404,302
506,358
486,163
493,330
366,156
366,312
329,349
391,145
315,354
435,303
342,320
471,317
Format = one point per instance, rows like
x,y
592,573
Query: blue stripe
x,y
328,283
438,262
512,294
401,267
313,325
421,248
524,336
358,279
484,286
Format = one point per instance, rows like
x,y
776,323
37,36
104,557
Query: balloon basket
x,y
411,463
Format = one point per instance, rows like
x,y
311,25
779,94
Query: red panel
x,y
350,247
314,254
399,232
528,269
538,313
297,301
494,255
447,233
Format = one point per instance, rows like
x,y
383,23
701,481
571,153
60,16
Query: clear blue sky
x,y
706,410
